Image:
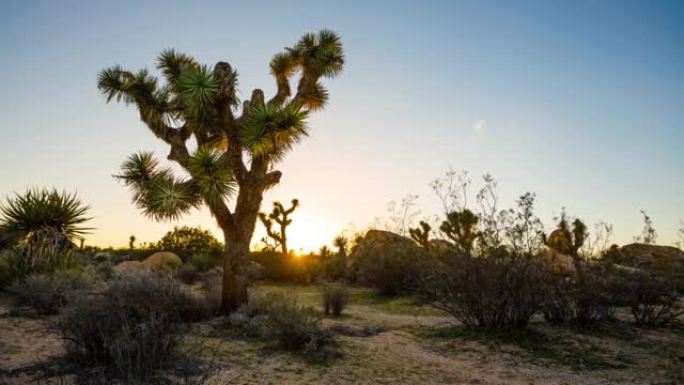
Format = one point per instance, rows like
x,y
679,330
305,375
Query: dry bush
x,y
49,293
187,274
589,296
498,290
653,299
129,330
292,327
335,298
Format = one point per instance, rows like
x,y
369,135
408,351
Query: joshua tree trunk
x,y
238,230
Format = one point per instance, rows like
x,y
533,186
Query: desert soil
x,y
419,346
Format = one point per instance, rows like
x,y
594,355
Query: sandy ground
x,y
410,351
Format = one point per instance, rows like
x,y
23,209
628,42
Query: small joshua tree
x,y
565,239
131,242
461,228
648,234
280,215
237,149
421,235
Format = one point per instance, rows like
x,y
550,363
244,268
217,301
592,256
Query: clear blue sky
x,y
581,102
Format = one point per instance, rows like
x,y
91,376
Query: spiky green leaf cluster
x,y
319,53
211,174
41,210
156,191
188,95
271,131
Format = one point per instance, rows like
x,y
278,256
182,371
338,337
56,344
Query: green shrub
x,y
292,327
131,328
47,294
104,270
201,262
335,298
187,274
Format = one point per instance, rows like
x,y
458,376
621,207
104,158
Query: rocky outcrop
x,y
165,262
131,267
439,247
556,261
648,256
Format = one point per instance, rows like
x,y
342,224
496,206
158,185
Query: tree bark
x,y
238,236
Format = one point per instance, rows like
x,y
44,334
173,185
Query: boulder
x,y
439,247
648,256
131,267
165,262
558,262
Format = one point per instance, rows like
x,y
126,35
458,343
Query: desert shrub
x,y
589,295
187,274
48,293
292,327
189,241
131,327
290,268
498,290
201,262
335,298
653,299
104,270
393,272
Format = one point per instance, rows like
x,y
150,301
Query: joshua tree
x,y
279,215
341,242
461,228
565,239
648,234
236,150
421,235
131,242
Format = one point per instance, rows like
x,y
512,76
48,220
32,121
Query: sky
x,y
581,102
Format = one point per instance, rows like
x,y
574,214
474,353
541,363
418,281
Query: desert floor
x,y
419,345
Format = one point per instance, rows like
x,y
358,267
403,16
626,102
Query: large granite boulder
x,y
440,247
131,267
643,256
555,262
388,261
164,262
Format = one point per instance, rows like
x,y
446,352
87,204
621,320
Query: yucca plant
x,y
237,148
41,226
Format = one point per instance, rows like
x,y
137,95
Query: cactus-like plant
x,y
421,235
280,216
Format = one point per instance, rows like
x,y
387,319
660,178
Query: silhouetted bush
x,y
187,274
391,270
653,299
335,298
48,293
278,267
498,290
131,327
